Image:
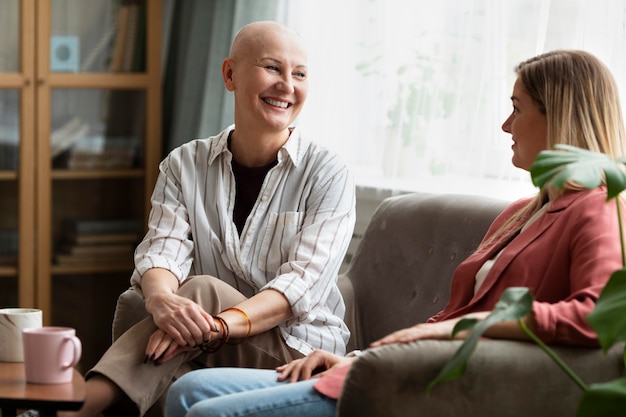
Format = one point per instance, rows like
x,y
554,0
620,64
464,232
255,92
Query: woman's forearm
x,y
511,329
157,281
263,310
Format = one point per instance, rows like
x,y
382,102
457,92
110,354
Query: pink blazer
x,y
565,257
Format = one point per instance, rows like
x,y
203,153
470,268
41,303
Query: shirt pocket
x,y
280,233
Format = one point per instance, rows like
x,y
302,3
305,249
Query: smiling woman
x,y
267,75
413,92
246,235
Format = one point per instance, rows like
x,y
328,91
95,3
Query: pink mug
x,y
50,354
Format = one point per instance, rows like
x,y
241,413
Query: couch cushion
x,y
400,274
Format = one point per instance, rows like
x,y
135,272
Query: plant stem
x,y
554,356
618,202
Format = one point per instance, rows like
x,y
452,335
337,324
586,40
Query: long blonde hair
x,y
580,99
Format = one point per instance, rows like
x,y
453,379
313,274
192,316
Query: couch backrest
x,y
400,274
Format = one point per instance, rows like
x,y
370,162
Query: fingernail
x,y
145,359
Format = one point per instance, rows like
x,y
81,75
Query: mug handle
x,y
77,351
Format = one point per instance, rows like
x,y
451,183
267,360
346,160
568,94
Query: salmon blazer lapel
x,y
529,236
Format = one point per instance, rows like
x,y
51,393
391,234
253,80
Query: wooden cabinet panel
x,y
80,142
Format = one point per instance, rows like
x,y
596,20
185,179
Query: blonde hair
x,y
580,99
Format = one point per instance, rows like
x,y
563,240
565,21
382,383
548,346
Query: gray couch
x,y
400,275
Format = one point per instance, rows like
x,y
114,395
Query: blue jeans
x,y
244,392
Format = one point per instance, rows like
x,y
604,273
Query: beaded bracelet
x,y
248,321
213,346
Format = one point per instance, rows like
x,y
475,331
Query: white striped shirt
x,y
293,241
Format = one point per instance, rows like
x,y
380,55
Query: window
x,y
412,93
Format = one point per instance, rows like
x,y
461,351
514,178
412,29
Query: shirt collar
x,y
294,148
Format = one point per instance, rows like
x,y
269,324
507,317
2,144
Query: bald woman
x,y
246,235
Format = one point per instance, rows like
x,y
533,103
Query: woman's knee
x,y
184,393
210,292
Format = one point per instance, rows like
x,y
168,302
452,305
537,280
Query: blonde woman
x,y
563,246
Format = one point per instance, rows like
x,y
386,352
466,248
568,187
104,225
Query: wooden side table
x,y
16,393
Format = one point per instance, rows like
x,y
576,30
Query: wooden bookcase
x,y
80,143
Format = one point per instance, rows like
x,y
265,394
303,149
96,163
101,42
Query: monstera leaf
x,y
608,318
606,399
569,163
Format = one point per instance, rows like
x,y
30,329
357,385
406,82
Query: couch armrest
x,y
130,309
503,378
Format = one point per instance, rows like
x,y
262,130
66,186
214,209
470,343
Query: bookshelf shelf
x,y
126,268
87,174
8,175
7,272
79,140
118,80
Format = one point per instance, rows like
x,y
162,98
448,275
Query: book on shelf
x,y
99,249
104,226
130,42
87,260
105,159
120,38
91,242
129,38
105,238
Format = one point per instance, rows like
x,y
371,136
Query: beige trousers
x,y
145,383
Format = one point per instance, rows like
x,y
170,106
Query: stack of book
x,y
99,242
103,153
129,46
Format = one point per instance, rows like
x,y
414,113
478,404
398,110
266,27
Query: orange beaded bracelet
x,y
248,321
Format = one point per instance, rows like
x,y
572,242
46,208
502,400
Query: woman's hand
x,y
162,347
443,330
184,321
305,368
439,330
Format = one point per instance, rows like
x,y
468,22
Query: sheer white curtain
x,y
412,93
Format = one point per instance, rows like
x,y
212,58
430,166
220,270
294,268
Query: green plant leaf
x,y
587,168
462,325
514,303
608,318
606,399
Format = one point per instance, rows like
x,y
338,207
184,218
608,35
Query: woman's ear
x,y
227,74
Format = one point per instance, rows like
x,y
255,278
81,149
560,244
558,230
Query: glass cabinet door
x,y
9,223
80,142
9,35
93,96
98,36
96,148
16,154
